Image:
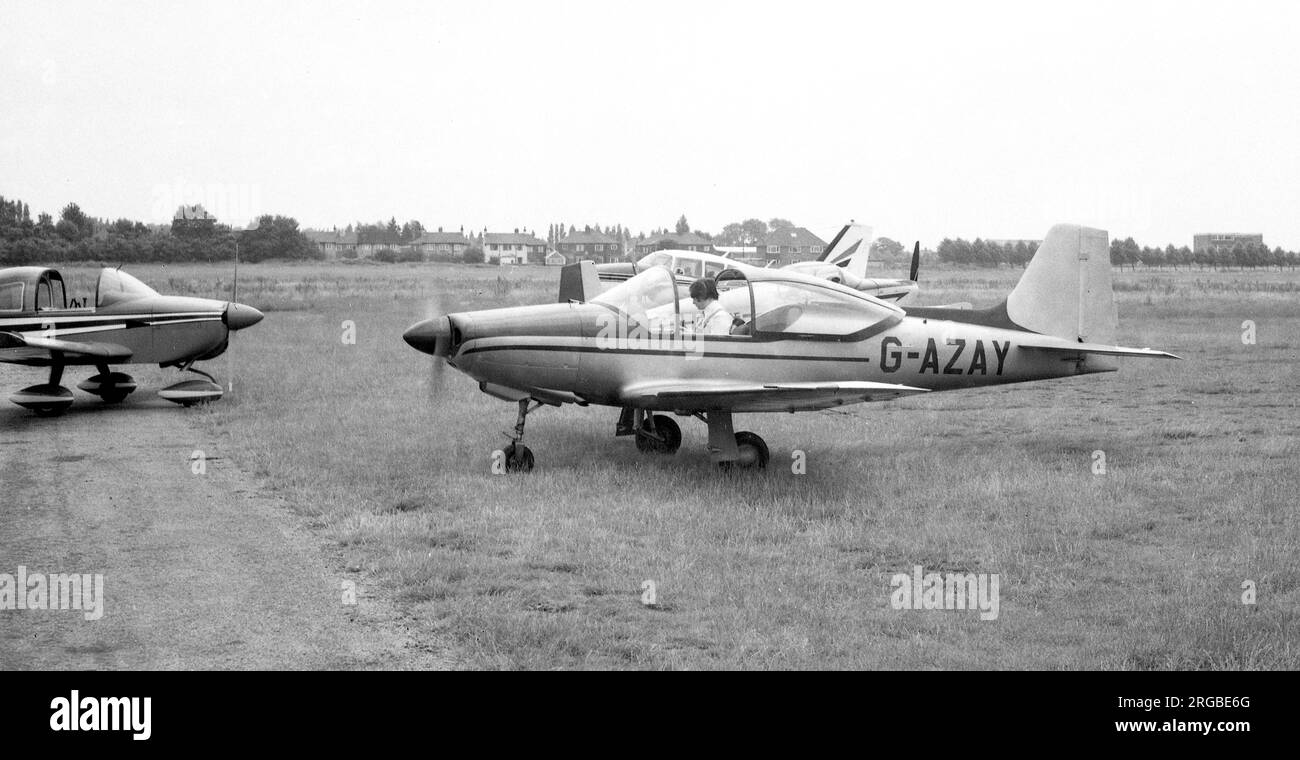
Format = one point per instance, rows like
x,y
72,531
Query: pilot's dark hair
x,y
704,288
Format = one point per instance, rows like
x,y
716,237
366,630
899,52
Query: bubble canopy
x,y
115,286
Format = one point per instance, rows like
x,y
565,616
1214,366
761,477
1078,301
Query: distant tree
x,y
755,231
276,237
67,230
1021,254
84,227
125,228
1237,256
1131,252
682,226
411,231
885,248
778,223
1152,257
730,234
473,255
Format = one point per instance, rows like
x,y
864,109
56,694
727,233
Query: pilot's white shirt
x,y
714,320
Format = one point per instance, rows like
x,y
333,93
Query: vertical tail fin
x,y
850,249
579,282
1065,291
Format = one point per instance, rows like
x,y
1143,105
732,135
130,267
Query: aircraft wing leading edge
x,y
19,348
727,395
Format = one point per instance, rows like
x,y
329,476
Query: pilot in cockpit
x,y
713,319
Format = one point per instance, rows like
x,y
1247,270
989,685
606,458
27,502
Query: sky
x,y
1155,120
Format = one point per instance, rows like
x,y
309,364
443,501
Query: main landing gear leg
x,y
111,387
657,433
519,458
729,449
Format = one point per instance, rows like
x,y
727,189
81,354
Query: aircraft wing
x,y
729,395
16,348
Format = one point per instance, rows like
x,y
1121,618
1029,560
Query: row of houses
x,y
784,245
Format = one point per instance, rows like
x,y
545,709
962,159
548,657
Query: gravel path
x,y
201,571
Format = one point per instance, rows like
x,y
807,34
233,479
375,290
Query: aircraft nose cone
x,y
424,336
239,316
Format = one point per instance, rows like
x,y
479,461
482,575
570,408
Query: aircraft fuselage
x,y
573,348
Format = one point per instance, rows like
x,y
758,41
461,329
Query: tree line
x,y
1126,252
77,236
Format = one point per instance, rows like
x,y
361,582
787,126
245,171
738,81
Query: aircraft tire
x,y
753,453
519,458
665,428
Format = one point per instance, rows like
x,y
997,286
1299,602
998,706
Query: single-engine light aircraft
x,y
844,261
130,323
800,343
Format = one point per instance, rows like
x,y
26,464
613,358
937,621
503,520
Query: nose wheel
x,y
518,457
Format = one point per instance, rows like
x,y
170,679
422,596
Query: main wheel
x,y
753,453
114,396
519,458
668,435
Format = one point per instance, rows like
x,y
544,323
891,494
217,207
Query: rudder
x,y
1066,290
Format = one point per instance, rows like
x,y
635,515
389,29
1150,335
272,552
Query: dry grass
x,y
1137,568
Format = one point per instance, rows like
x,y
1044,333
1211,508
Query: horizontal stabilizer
x,y
1060,345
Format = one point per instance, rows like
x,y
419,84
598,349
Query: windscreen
x,y
648,300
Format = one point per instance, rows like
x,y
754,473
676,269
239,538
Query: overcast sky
x,y
1154,120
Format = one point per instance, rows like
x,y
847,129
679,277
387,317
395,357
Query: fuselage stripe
x,y
712,354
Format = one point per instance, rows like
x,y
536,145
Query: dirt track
x,y
200,571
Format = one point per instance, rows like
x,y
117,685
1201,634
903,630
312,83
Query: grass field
x,y
1141,567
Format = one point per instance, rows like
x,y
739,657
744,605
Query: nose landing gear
x,y
519,458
